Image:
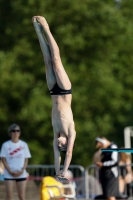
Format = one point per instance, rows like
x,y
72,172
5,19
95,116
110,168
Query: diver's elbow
x,y
69,153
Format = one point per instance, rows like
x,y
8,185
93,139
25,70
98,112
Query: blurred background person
x,y
108,168
94,187
1,171
59,87
125,172
97,156
15,154
69,176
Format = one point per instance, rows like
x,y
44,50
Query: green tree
x,y
95,40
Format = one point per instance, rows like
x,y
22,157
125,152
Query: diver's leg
x,y
50,75
60,73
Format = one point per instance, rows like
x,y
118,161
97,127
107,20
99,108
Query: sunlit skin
x,y
62,116
100,164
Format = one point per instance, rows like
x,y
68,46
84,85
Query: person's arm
x,y
129,169
69,152
128,176
6,165
97,157
15,173
4,161
57,157
25,164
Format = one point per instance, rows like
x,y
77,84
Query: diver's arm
x,y
57,157
69,152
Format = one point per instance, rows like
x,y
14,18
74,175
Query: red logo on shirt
x,y
16,150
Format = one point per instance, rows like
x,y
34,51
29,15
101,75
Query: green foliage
x,y
95,40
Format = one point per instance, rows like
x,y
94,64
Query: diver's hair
x,y
10,128
64,150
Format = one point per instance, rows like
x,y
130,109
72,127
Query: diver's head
x,y
62,143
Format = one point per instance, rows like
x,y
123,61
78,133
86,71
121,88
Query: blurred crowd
x,y
112,176
115,171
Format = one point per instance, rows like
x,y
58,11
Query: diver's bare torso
x,y
62,117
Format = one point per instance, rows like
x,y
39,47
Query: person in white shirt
x,y
14,155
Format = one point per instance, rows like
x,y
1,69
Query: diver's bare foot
x,y
41,20
37,25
